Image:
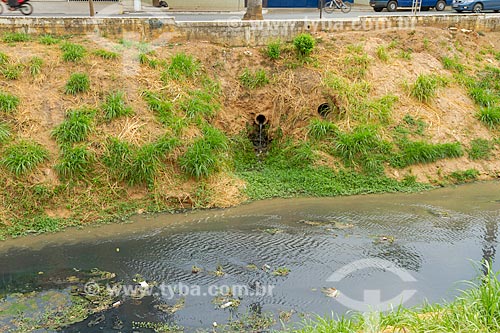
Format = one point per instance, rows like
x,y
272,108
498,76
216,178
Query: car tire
x,y
440,6
378,9
478,8
392,6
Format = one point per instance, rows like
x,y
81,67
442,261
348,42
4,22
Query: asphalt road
x,y
113,9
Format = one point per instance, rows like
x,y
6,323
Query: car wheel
x,y
440,5
478,8
378,9
392,6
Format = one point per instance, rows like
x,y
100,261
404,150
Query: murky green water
x,y
434,237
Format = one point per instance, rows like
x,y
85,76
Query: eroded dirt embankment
x,y
366,78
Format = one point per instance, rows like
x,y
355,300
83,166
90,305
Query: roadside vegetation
x,y
179,130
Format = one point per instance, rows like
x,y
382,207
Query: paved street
x,y
113,9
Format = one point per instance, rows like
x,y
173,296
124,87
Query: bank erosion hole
x,y
324,110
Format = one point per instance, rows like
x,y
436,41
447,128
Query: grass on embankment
x,y
177,133
475,310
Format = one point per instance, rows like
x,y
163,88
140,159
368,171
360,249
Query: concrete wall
x,y
207,5
237,33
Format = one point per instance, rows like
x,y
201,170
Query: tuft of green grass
x,y
76,127
453,64
425,87
254,80
382,53
199,103
4,132
182,66
4,59
413,152
77,83
105,54
464,176
319,129
12,71
406,55
24,156
162,108
273,50
304,45
480,149
115,106
136,165
16,37
362,146
35,66
490,116
205,156
73,52
48,39
356,65
8,102
74,162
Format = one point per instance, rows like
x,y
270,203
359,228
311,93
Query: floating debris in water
x,y
227,300
252,266
273,231
282,271
342,225
285,316
384,239
266,267
219,271
330,292
171,309
438,213
195,269
312,223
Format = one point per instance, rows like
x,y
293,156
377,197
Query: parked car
x,y
393,5
476,6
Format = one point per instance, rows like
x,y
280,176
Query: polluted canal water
x,y
300,257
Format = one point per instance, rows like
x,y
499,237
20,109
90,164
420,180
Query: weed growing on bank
x,y
24,156
73,52
74,162
48,39
273,50
4,132
105,54
490,116
76,127
206,155
35,66
115,106
480,149
77,83
304,45
320,129
253,80
182,66
8,102
413,152
16,37
136,164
